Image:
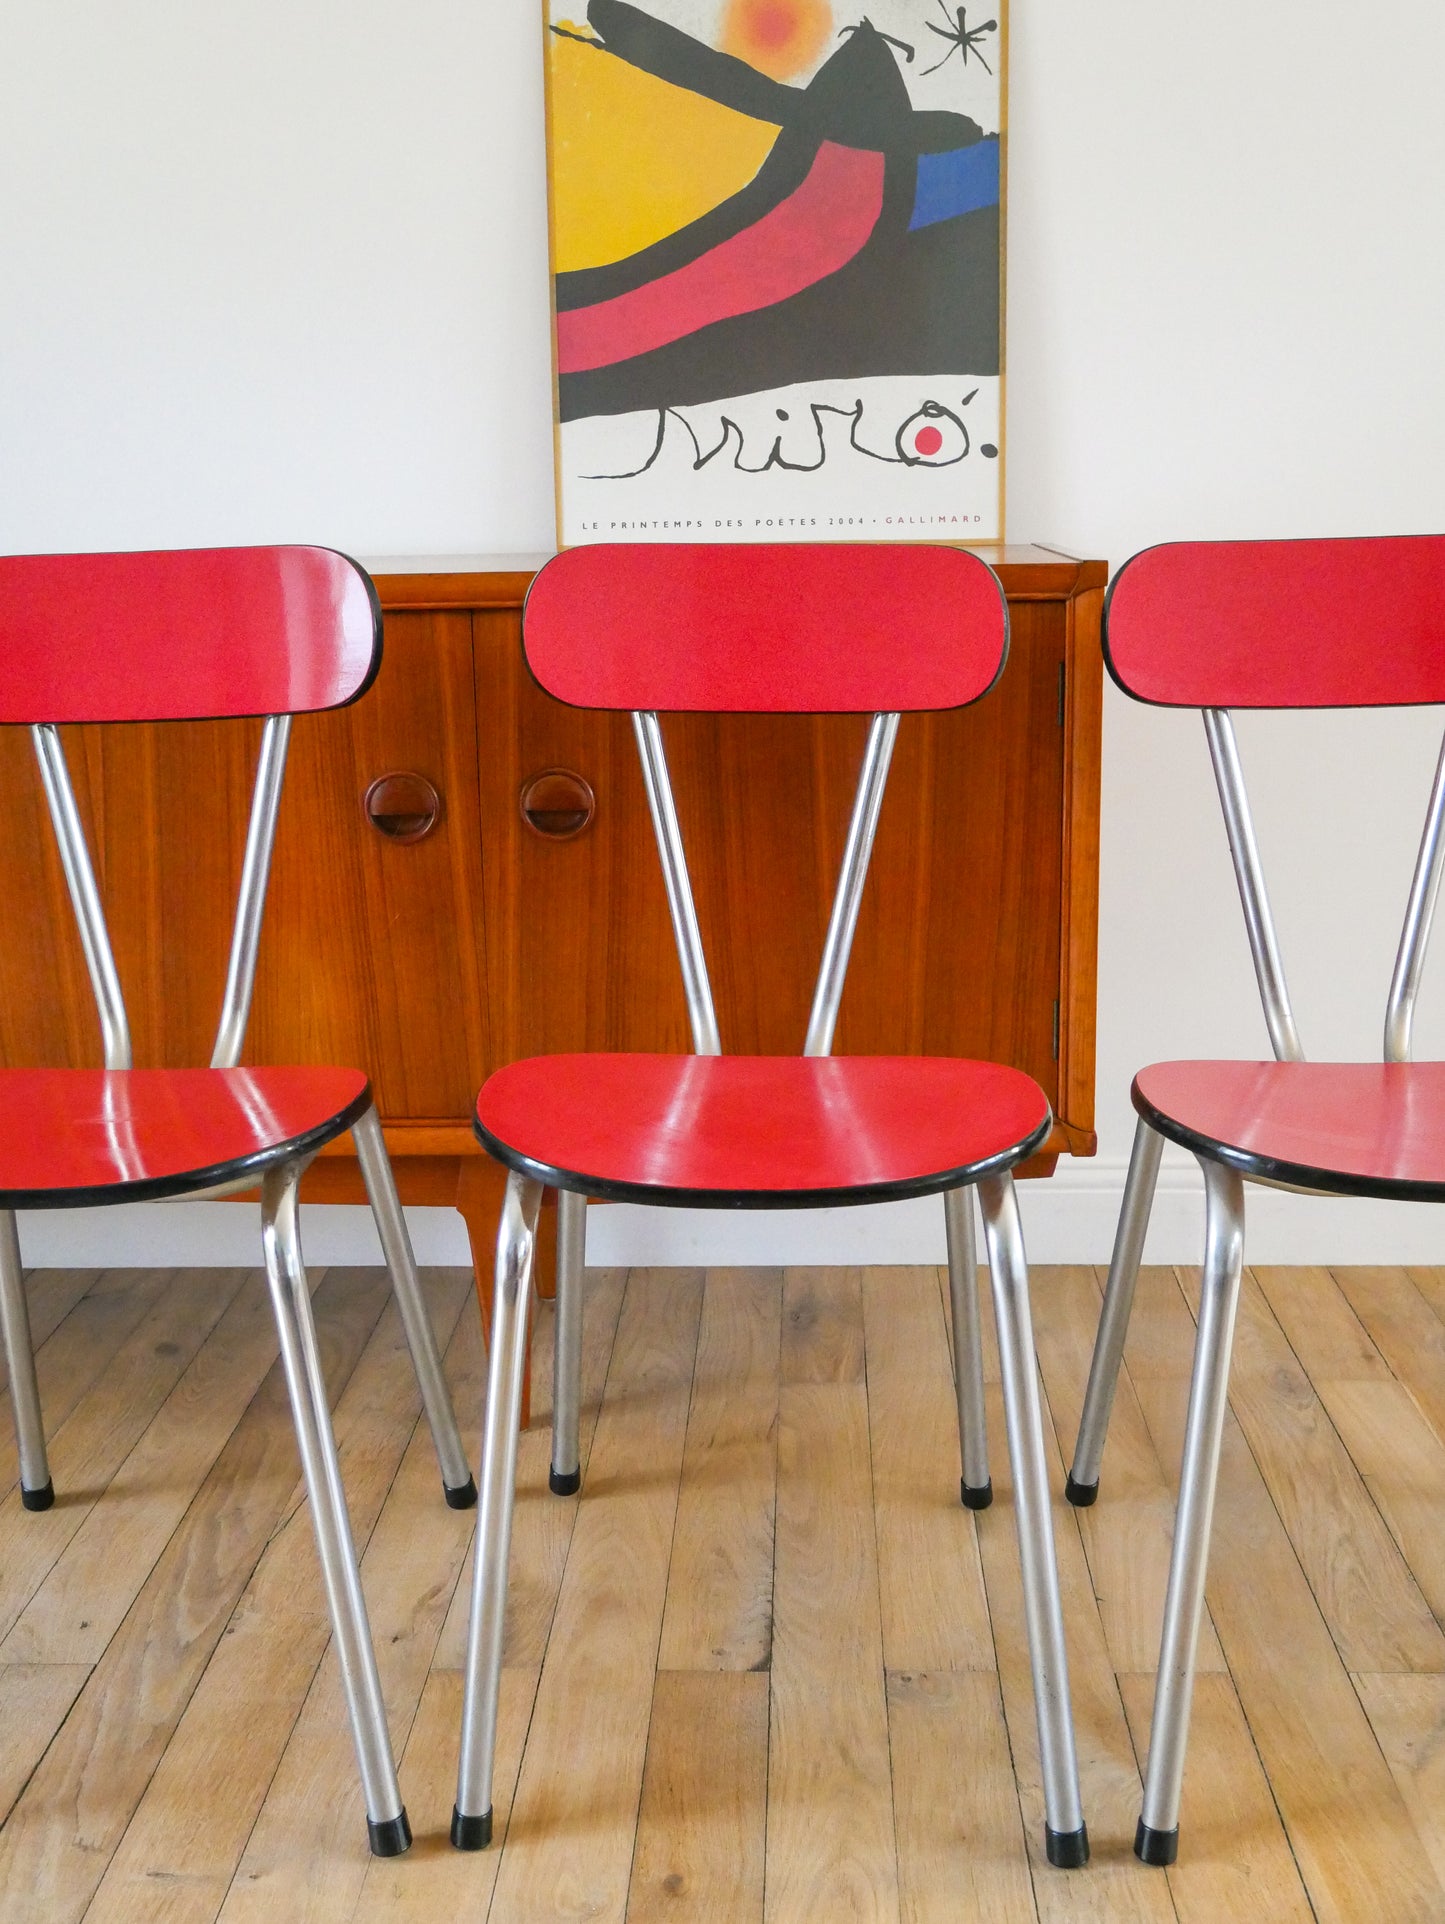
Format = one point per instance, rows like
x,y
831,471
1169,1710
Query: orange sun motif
x,y
778,37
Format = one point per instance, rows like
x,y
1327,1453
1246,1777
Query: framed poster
x,y
777,269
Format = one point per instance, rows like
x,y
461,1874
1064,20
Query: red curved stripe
x,y
818,228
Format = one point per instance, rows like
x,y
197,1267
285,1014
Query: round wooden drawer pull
x,y
402,807
558,804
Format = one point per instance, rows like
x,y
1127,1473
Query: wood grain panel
x,y
1348,1826
930,1580
103,1758
1371,1602
579,944
719,1612
1237,1867
960,1842
701,1824
202,1767
831,1848
1128,1535
582,1773
94,1581
373,950
1114,1887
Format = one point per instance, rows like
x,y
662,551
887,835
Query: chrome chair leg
x,y
975,1485
516,1244
1156,1840
37,1492
386,1819
1082,1486
1066,1840
566,1472
457,1485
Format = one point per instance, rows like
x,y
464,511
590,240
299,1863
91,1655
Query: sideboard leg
x,y
481,1185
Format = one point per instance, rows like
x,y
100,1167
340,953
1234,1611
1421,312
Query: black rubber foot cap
x,y
1156,1846
976,1498
391,1838
1068,1850
464,1497
471,1833
1081,1495
565,1482
39,1499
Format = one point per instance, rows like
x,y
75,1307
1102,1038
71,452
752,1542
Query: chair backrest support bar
x,y
843,922
251,897
90,915
1415,933
1258,921
867,805
700,1011
84,895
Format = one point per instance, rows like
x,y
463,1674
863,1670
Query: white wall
x,y
272,272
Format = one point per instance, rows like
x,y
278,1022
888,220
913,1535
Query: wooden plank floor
x,y
764,1669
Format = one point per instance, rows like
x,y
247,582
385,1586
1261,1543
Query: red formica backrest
x,y
184,634
1356,623
771,628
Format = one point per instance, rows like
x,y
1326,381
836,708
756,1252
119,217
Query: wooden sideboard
x,y
430,958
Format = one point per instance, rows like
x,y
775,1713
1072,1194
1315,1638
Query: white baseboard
x,y
1067,1219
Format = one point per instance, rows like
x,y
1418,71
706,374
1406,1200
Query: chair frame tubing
x,y
565,1475
310,1412
84,894
37,1492
386,1819
230,1037
1082,1487
1157,1838
251,896
1065,1835
1415,932
421,1342
1139,1185
516,1246
975,1483
565,1478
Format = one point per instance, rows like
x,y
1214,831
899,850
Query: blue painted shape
x,y
957,182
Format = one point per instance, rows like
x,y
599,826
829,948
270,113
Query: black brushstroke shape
x,y
923,302
933,410
840,109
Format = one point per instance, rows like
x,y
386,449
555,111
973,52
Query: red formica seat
x,y
72,1137
1286,625
848,629
205,634
759,1132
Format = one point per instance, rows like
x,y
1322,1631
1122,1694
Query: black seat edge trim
x,y
603,1189
1298,1175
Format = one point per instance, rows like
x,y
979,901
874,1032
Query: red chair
x,y
161,637
1264,624
753,630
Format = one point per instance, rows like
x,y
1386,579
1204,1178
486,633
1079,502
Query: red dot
x,y
772,26
927,441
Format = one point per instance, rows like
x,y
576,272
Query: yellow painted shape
x,y
634,158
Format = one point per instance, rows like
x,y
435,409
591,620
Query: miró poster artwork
x,y
777,269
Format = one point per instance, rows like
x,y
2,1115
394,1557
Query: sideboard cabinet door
x,y
374,952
